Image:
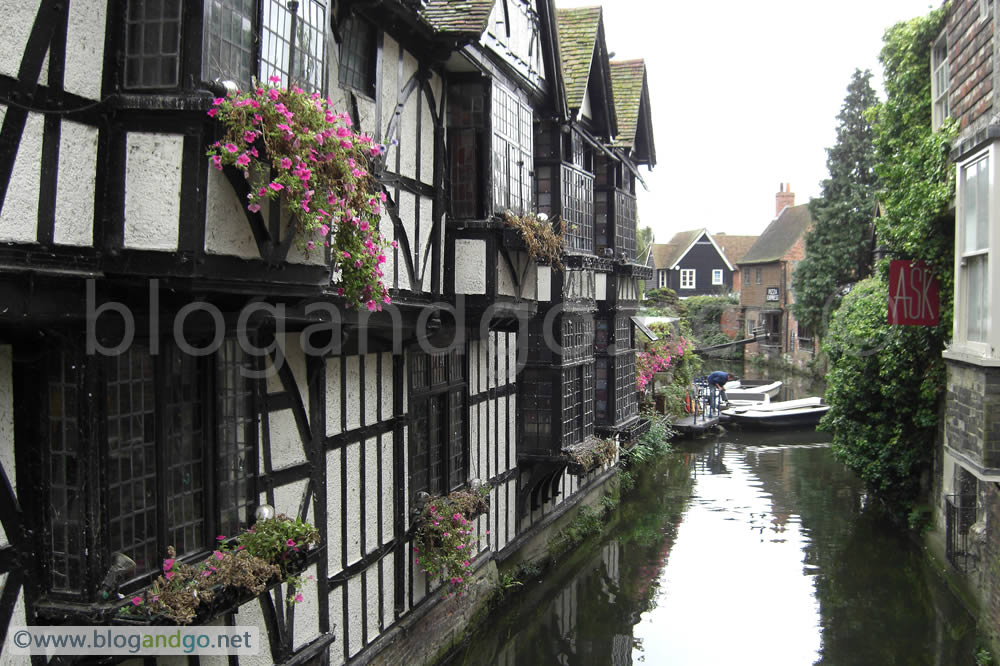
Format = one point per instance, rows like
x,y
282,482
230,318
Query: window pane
x,y
228,43
185,452
357,55
66,500
152,38
977,307
976,206
131,468
234,417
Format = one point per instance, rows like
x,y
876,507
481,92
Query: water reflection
x,y
745,548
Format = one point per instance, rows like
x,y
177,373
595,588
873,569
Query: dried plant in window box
x,y
540,237
590,454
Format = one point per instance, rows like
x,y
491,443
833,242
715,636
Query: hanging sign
x,y
913,294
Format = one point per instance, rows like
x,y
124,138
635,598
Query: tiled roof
x,y
780,235
463,16
626,83
661,253
735,246
577,38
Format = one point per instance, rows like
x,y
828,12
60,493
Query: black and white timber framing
x,y
106,196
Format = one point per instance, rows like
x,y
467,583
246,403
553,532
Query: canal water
x,y
739,548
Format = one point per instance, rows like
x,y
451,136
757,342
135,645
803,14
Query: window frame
x,y
688,278
960,322
128,24
718,278
350,39
93,485
662,278
940,81
453,384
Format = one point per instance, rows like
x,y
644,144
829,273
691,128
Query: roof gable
x,y
584,58
735,247
780,235
457,16
631,94
669,255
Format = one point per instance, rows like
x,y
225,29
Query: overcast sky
x,y
744,96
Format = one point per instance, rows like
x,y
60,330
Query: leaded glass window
x,y
152,43
228,51
307,68
437,443
357,55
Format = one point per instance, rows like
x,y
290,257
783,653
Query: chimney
x,y
783,198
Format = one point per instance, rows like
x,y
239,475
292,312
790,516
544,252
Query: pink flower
x,y
460,546
446,534
221,537
170,574
213,112
298,598
218,555
273,94
290,542
254,208
249,136
285,163
276,186
136,601
206,573
231,147
217,162
218,100
372,306
456,516
243,159
323,230
168,564
347,255
274,79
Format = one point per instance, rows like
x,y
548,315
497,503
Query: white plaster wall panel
x,y
473,362
512,431
601,286
484,442
307,610
484,358
85,48
420,582
427,137
287,499
407,215
530,285
426,239
77,172
371,389
389,89
18,18
16,620
298,253
406,477
387,503
227,231
505,279
408,137
492,360
353,514
544,275
501,433
353,393
333,513
7,424
152,190
388,588
474,457
286,444
295,357
512,359
250,615
386,386
355,617
406,385
371,495
372,602
337,622
366,115
501,507
512,507
19,217
333,426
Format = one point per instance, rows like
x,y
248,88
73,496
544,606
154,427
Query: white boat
x,y
755,390
802,412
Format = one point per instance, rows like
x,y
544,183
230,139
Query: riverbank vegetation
x,y
885,382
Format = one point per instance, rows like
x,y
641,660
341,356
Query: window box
x,y
591,454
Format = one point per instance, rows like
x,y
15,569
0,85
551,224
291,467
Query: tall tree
x,y
837,246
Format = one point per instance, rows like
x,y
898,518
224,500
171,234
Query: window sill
x,y
970,356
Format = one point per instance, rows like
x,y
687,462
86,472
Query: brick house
x,y
766,280
964,69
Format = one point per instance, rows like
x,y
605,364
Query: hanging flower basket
x,y
291,145
445,546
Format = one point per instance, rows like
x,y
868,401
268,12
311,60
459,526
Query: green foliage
x,y
444,543
885,383
663,297
587,522
883,393
838,244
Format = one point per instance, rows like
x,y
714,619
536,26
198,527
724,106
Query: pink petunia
x,y
218,555
274,79
243,159
168,564
285,163
213,112
170,574
254,208
290,542
136,601
221,537
217,162
277,187
298,598
231,147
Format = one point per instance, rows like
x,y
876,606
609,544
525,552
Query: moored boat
x,y
756,390
785,413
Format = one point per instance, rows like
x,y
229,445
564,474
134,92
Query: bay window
x,y
513,162
138,452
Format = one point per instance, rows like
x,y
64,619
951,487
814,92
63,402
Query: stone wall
x,y
972,412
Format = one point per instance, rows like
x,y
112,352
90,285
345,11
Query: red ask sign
x,y
913,294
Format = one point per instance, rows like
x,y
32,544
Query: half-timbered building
x,y
171,360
